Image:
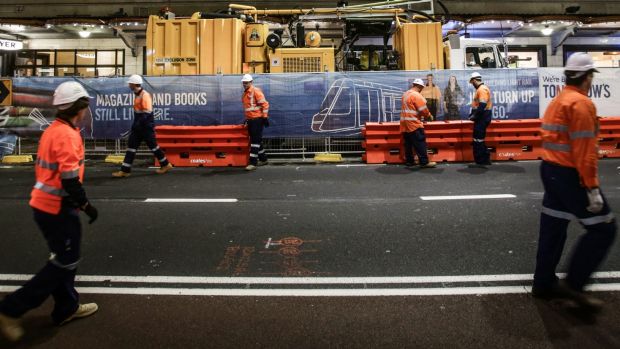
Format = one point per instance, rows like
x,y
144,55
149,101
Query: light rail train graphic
x,y
350,103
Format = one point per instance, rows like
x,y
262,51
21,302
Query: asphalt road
x,y
386,268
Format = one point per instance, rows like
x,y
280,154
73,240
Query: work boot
x,y
409,164
120,174
263,163
250,167
584,300
164,169
11,328
477,166
431,164
562,290
83,310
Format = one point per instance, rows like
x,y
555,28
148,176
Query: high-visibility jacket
x,y
60,156
413,107
143,103
254,103
570,134
483,95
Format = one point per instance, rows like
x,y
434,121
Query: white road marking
x,y
305,280
188,200
468,197
362,292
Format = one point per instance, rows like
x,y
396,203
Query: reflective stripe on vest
x,y
555,127
582,134
48,165
557,146
70,174
252,108
50,190
409,118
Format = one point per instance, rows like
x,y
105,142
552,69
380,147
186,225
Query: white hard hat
x,y
135,79
475,75
67,93
580,62
418,82
246,78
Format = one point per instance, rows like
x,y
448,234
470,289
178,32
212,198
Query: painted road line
x,y
361,292
359,165
306,280
187,200
468,197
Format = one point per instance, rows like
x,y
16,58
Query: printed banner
x,y
605,91
301,105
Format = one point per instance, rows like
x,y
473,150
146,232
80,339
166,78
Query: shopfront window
x,y
604,56
84,63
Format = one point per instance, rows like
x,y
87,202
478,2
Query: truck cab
x,y
463,53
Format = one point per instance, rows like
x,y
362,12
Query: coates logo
x,y
606,152
199,161
509,155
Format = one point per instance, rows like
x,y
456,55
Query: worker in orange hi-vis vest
x,y
56,199
412,112
481,116
569,173
256,109
142,129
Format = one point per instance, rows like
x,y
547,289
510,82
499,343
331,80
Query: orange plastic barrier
x,y
609,138
507,140
209,146
452,140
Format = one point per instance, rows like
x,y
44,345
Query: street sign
x,y
6,97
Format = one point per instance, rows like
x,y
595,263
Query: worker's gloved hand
x,y
91,212
471,117
245,122
265,122
596,200
431,118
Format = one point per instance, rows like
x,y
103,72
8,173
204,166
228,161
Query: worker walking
x,y
481,116
413,109
256,110
569,173
56,199
142,129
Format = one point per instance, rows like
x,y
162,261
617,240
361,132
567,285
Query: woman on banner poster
x,y
453,98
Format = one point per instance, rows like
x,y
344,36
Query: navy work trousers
x,y
142,129
482,156
255,128
63,234
416,140
565,199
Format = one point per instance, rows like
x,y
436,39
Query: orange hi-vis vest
x,y
570,134
413,106
60,156
483,95
254,103
143,103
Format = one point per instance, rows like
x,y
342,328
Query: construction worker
x,y
569,173
413,109
56,199
256,110
142,129
481,116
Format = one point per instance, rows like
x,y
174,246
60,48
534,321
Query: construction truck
x,y
355,38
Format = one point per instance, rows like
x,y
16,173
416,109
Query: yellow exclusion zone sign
x,y
6,96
